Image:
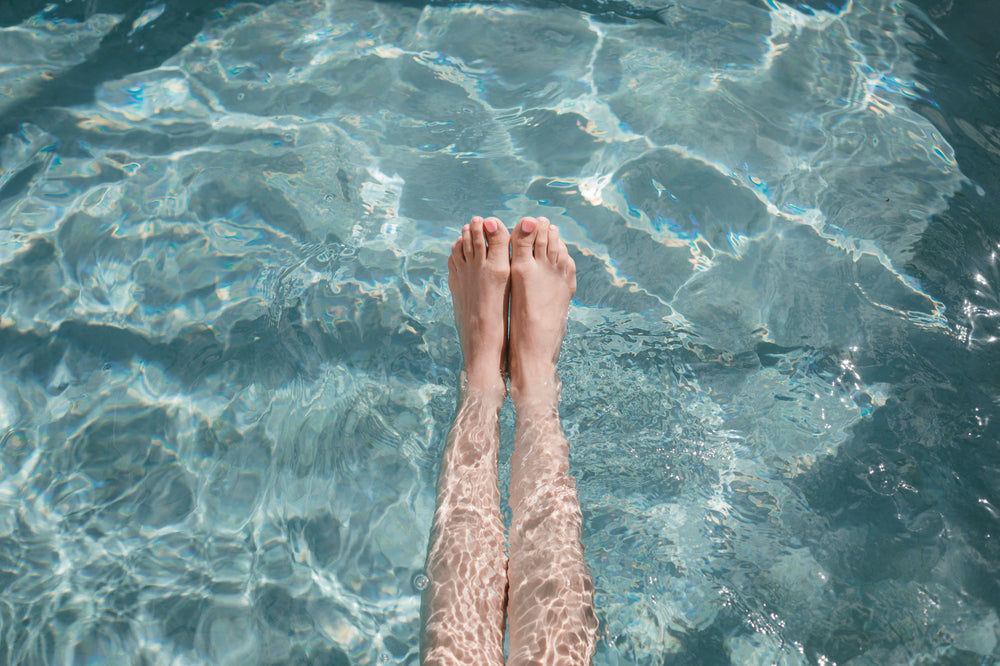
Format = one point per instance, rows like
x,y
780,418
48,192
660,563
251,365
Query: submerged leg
x,y
463,605
551,607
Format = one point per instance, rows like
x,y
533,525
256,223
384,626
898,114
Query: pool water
x,y
228,361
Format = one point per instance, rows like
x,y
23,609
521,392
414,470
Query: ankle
x,y
488,379
532,375
536,396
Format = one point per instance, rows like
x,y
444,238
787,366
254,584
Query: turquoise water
x,y
228,360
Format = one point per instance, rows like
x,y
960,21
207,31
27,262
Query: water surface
x,y
229,361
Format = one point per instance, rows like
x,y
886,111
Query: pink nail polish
x,y
490,224
528,225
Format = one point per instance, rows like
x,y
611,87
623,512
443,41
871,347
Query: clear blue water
x,y
228,361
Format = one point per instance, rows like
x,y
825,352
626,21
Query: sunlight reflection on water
x,y
231,358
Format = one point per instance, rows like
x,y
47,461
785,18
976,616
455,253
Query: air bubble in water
x,y
420,582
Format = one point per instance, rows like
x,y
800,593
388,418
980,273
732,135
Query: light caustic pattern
x,y
467,561
229,357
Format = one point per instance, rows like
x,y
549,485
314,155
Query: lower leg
x,y
551,599
466,564
551,609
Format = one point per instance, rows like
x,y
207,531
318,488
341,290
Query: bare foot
x,y
479,279
542,284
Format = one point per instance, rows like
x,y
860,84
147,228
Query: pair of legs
x,y
544,591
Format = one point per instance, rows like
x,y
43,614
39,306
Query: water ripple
x,y
230,359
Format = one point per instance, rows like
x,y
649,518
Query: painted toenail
x,y
527,225
490,224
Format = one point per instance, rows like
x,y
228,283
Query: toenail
x,y
490,224
527,225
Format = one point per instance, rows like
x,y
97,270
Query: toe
x,y
457,252
524,239
568,267
498,238
542,239
555,244
467,247
478,238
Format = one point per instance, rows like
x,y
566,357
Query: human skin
x,y
551,607
550,614
464,603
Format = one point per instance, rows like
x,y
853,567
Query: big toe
x,y
525,234
498,239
